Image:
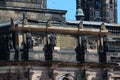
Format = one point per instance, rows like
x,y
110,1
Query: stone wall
x,y
24,3
63,51
7,14
66,42
38,73
55,72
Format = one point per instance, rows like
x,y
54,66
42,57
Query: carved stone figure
x,y
52,39
84,42
25,51
29,40
48,52
78,52
49,47
105,42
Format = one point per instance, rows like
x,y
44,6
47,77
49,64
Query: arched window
x,y
66,77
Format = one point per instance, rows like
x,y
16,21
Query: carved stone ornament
x,y
25,21
81,25
12,23
103,26
49,24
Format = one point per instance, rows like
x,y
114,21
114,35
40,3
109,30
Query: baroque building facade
x,y
39,44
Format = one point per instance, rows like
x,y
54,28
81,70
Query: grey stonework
x,y
33,14
24,3
64,57
40,71
34,10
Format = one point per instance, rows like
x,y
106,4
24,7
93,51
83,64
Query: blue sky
x,y
69,5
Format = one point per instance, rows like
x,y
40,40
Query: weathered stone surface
x,y
25,3
7,14
66,42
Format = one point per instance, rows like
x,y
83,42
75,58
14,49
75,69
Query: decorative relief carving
x,y
35,74
63,75
92,44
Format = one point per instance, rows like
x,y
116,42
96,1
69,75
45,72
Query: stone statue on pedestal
x,y
49,47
